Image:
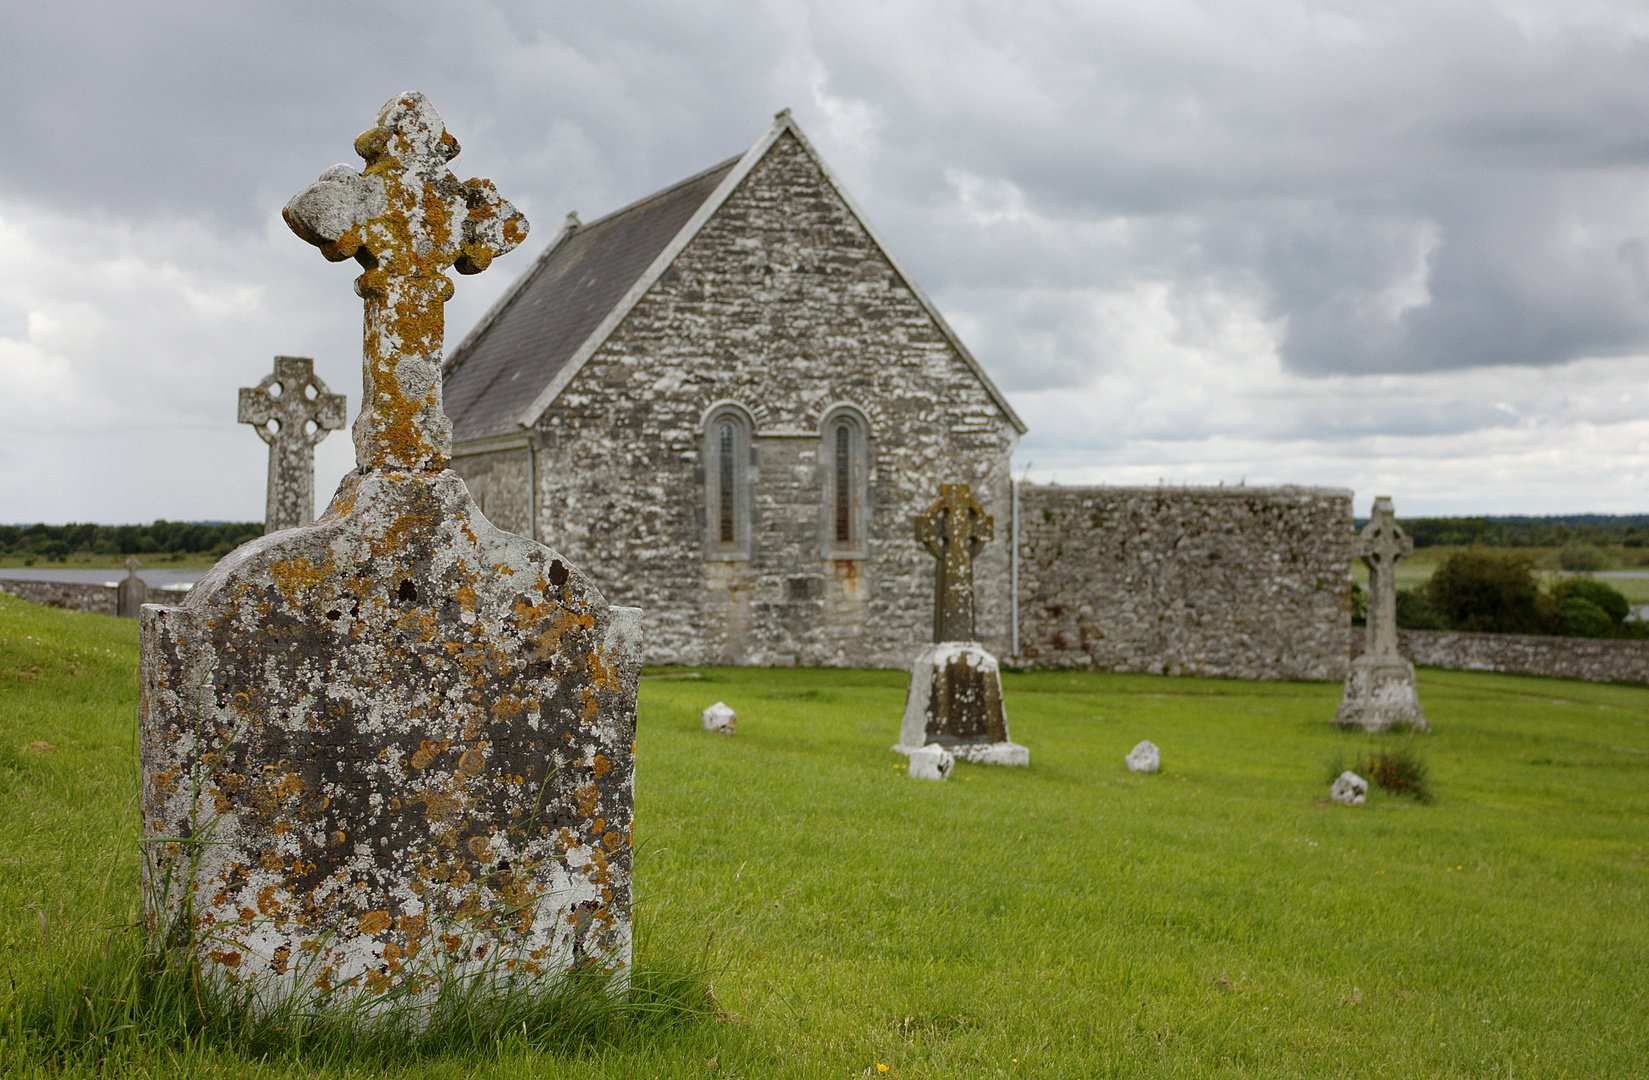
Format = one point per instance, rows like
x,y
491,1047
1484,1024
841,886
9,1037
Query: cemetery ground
x,y
1065,920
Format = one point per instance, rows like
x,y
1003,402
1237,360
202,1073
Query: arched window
x,y
844,482
727,469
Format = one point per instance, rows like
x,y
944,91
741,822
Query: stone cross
x,y
1380,691
406,218
1382,545
953,530
280,409
133,591
389,754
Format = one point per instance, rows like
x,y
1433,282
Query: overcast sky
x,y
1398,247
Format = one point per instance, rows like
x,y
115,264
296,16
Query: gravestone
x,y
388,755
133,591
955,695
1379,690
281,409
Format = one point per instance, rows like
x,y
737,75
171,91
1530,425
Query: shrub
x,y
1579,617
1414,611
1487,591
1578,555
1611,600
1359,605
1401,771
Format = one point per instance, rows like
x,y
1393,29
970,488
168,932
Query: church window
x,y
844,480
727,477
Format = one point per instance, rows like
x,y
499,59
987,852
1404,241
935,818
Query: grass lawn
x,y
1069,920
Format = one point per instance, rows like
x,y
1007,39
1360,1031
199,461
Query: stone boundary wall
x,y
1592,659
74,596
1239,582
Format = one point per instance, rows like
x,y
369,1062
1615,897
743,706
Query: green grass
x,y
1070,920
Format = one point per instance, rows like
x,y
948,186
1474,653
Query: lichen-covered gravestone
x,y
391,752
955,695
1379,690
281,409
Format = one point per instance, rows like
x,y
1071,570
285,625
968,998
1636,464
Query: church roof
x,y
522,354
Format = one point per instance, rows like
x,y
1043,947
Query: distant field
x,y
88,561
1067,920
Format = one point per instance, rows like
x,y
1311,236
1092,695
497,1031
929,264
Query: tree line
x,y
58,542
1628,530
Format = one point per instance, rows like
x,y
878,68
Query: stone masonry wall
x,y
784,305
1592,659
1227,581
75,596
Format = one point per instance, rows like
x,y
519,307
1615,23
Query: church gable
x,y
510,369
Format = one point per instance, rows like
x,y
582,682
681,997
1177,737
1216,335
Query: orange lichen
x,y
375,922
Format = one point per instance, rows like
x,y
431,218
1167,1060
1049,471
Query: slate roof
x,y
528,337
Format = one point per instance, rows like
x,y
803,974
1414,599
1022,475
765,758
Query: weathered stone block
x,y
719,718
931,763
1144,758
388,749
1380,693
1349,788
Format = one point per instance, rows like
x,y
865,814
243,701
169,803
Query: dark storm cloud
x,y
1416,186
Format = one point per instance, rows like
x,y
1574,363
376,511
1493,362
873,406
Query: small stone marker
x,y
280,409
1349,788
391,752
1144,758
720,718
931,763
955,695
1379,690
133,591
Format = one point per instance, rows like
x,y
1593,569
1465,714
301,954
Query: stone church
x,y
726,402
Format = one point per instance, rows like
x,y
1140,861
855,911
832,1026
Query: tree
x,y
1487,591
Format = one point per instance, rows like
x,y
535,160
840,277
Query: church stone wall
x,y
499,482
1227,581
783,304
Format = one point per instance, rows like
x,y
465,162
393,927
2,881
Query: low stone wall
x,y
1592,659
1238,582
73,596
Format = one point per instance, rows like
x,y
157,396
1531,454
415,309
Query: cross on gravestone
x,y
389,755
955,694
406,218
1382,545
1379,688
953,530
280,409
133,591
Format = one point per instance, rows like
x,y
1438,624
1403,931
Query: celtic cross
x,y
953,530
1382,545
280,409
405,218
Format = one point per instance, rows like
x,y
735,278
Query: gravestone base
x,y
389,755
1380,693
955,701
